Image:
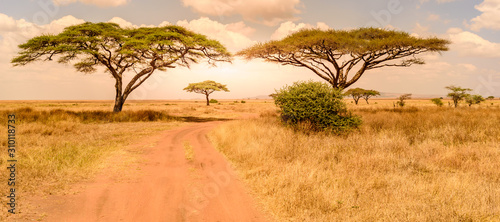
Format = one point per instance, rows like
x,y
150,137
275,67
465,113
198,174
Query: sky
x,y
473,27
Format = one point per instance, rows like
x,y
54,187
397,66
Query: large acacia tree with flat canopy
x,y
334,54
136,51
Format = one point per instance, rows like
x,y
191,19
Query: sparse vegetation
x,y
314,106
417,164
355,93
474,99
369,93
213,101
402,99
59,147
457,94
206,88
437,101
358,93
420,163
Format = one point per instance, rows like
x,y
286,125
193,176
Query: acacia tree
x,y
457,93
139,51
473,99
402,99
333,54
356,94
369,93
206,88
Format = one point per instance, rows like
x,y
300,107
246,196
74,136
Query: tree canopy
x,y
457,93
333,54
358,93
369,93
140,51
206,88
473,99
402,99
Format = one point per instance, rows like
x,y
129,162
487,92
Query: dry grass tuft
x,y
29,115
412,164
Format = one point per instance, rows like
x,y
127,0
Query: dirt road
x,y
168,187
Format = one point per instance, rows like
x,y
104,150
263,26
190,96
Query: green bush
x,y
243,101
314,106
437,101
213,101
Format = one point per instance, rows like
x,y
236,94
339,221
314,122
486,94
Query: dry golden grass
x,y
63,142
58,148
415,164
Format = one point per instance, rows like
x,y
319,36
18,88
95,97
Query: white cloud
x,y
433,17
15,32
164,23
233,35
287,28
468,67
421,31
470,44
268,12
122,22
100,3
490,17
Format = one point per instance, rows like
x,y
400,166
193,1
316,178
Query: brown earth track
x,y
168,187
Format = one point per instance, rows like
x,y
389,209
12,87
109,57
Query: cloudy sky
x,y
472,25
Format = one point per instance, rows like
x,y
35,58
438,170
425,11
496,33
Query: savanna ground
x,y
417,163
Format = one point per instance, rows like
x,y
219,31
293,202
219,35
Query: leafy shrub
x,y
474,99
437,101
402,99
314,106
213,101
243,101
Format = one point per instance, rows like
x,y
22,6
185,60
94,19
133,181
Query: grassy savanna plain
x,y
61,143
417,163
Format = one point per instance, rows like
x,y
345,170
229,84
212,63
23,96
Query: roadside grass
x,y
60,143
58,148
413,164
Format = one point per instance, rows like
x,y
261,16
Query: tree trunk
x,y
119,98
119,101
367,100
208,101
356,100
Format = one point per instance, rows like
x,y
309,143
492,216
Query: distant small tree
x,y
437,101
457,93
473,99
369,93
206,88
356,94
402,99
490,98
